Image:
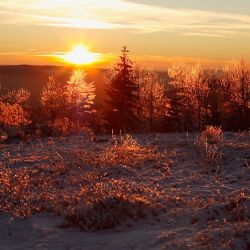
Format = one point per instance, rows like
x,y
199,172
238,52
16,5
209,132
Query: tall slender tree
x,y
80,96
199,90
182,115
53,101
153,103
122,94
236,85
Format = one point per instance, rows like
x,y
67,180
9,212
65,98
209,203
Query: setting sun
x,y
80,55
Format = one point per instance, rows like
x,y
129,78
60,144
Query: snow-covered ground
x,y
197,202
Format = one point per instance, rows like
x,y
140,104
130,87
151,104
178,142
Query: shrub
x,y
238,207
205,148
15,192
212,134
127,151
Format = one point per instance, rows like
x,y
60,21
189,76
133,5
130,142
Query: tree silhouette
x,y
214,100
122,93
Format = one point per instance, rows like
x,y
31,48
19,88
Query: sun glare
x,y
80,56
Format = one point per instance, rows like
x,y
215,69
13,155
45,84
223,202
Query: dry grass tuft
x,y
206,145
213,135
127,151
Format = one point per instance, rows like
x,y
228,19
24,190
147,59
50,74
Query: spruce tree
x,y
122,94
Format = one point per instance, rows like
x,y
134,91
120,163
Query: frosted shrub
x,y
129,143
213,134
15,192
205,145
125,141
3,136
238,207
126,151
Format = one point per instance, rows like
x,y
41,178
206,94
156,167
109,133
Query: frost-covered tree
x,y
236,85
122,94
18,96
199,90
189,95
80,97
140,74
153,103
14,108
53,102
182,115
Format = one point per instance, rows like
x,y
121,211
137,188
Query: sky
x,y
158,32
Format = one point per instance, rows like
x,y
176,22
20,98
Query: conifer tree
x,y
122,94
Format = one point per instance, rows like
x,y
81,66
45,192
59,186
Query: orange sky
x,y
157,32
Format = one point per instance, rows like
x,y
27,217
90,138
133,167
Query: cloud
x,y
120,14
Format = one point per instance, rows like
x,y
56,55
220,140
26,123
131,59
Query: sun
x,y
80,55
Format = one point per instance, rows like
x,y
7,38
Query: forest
x,y
136,99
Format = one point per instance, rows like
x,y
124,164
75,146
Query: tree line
x,y
137,99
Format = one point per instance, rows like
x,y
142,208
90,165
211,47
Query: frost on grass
x,y
79,187
157,189
207,146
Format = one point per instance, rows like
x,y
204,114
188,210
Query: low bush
x,y
212,134
206,145
127,151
